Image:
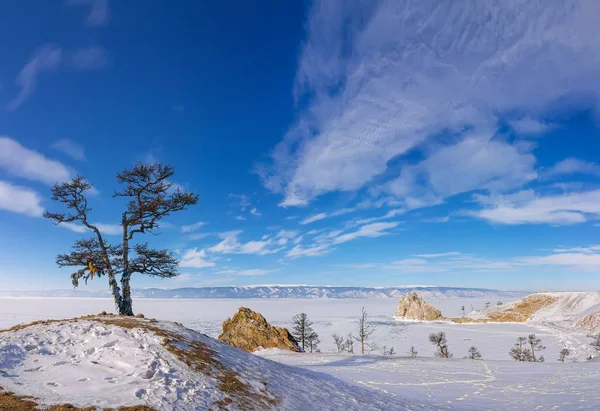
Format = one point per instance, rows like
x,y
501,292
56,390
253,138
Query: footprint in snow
x,y
83,379
140,393
53,384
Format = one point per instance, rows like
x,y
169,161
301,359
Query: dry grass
x,y
518,312
195,354
11,402
590,322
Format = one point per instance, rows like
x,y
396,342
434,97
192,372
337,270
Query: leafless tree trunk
x,y
365,330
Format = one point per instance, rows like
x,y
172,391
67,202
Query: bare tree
x,y
462,308
487,305
340,344
385,351
474,353
312,342
150,197
563,354
302,329
596,342
520,352
349,344
439,340
499,303
412,352
535,344
365,330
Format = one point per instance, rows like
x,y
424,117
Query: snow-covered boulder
x,y
112,362
250,331
412,307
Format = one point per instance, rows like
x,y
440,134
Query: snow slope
x,y
463,384
570,316
283,291
105,362
570,309
564,309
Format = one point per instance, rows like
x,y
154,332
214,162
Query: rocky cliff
x,y
250,331
413,307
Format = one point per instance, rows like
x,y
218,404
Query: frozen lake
x,y
329,316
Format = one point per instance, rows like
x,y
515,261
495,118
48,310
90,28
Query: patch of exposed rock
x,y
250,331
412,307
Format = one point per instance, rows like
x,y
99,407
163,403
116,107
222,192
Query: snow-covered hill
x,y
564,309
106,361
284,291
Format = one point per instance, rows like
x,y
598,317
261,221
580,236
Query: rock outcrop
x,y
250,331
413,307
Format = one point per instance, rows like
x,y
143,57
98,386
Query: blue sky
x,y
377,143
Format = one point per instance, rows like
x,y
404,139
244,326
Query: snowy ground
x,y
91,363
329,316
463,384
496,383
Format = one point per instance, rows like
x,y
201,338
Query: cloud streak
x,y
31,165
21,200
383,79
70,148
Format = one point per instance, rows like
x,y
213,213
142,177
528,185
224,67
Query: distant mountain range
x,y
282,291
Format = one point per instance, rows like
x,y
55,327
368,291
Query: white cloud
x,y
255,271
527,208
49,58
239,218
585,250
77,228
575,258
327,237
574,166
255,212
195,259
301,251
70,148
99,13
436,219
231,245
193,227
369,230
314,218
531,126
198,236
476,162
579,261
23,162
447,254
107,229
390,214
382,79
46,58
242,200
20,200
290,234
292,217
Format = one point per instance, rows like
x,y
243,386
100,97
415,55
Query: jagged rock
x,y
413,307
249,331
